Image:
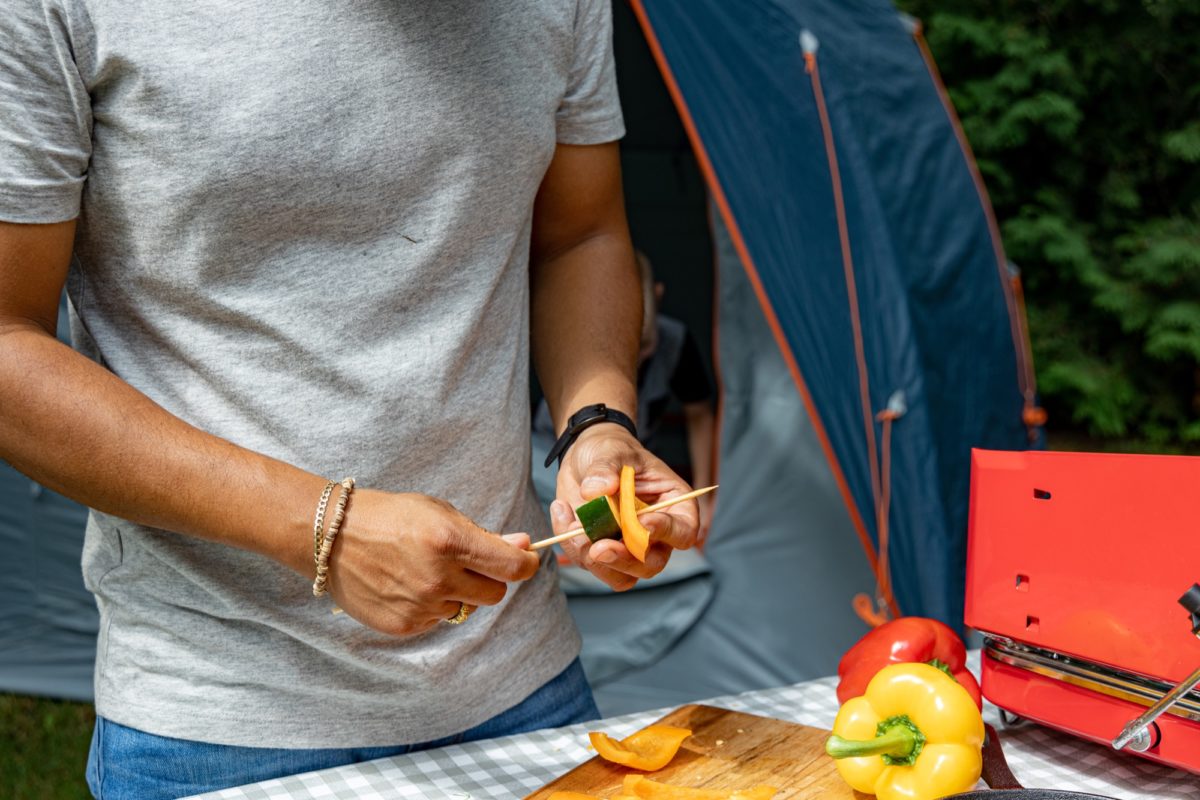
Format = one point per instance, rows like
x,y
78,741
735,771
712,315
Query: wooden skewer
x,y
562,537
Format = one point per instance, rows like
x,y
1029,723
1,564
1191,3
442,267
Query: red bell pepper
x,y
900,641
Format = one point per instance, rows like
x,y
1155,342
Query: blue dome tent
x,y
859,219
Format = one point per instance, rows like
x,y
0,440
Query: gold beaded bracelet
x,y
326,541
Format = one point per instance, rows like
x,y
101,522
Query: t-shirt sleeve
x,y
590,112
45,115
690,382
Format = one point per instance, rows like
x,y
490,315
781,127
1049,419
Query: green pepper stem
x,y
944,667
899,742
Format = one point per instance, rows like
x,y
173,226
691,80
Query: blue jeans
x,y
128,764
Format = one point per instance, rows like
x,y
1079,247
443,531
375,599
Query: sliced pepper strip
x,y
638,503
915,735
762,792
649,749
642,787
633,534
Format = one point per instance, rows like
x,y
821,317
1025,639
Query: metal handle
x,y
1136,735
1137,732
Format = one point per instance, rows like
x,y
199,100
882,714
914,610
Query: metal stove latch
x,y
1138,735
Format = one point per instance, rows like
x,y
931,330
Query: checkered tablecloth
x,y
513,766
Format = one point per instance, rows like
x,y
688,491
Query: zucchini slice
x,y
599,518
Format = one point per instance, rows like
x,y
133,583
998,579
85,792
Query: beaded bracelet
x,y
326,544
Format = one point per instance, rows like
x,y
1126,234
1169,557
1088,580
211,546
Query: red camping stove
x,y
1075,565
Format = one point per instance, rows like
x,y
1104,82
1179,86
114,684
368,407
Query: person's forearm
x,y
78,429
586,321
700,431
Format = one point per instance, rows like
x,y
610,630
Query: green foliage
x,y
1184,143
43,748
1085,119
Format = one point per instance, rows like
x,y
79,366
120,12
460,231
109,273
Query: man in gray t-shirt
x,y
302,242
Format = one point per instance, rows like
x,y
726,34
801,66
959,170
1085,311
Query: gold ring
x,y
464,611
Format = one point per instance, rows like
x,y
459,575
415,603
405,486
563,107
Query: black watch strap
x,y
585,418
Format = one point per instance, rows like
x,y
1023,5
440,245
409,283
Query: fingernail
x,y
607,557
519,539
594,482
560,512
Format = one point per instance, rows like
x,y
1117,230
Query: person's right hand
x,y
404,562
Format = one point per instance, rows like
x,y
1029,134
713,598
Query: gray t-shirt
x,y
304,227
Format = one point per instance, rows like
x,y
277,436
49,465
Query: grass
x,y
43,748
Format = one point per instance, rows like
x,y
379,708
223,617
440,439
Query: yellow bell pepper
x,y
915,735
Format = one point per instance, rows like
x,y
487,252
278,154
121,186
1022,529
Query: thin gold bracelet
x,y
322,560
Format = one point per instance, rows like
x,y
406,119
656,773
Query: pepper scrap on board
x,y
904,640
639,786
915,735
650,748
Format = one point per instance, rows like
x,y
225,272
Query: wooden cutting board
x,y
727,750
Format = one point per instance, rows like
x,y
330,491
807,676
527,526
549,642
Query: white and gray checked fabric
x,y
513,766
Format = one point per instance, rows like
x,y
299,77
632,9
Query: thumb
x,y
601,476
561,516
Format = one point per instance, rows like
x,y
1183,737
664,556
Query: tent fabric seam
x,y
719,421
814,73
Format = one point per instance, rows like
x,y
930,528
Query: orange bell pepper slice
x,y
761,792
649,749
645,789
635,536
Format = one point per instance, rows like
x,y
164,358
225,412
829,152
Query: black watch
x,y
585,418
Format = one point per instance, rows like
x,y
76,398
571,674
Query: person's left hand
x,y
592,467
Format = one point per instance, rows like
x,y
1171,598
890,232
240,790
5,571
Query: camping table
x,y
513,766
